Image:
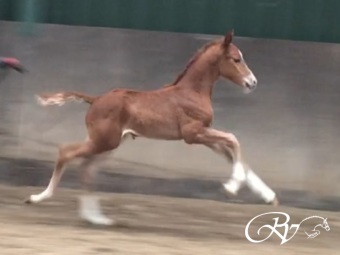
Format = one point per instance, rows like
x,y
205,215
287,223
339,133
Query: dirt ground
x,y
148,225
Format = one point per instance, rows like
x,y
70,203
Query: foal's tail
x,y
62,97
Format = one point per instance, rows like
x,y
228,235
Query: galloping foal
x,y
178,111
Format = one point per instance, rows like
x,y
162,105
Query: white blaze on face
x,y
250,80
239,52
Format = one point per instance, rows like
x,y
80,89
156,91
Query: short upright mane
x,y
193,60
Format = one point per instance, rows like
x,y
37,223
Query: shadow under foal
x,y
178,111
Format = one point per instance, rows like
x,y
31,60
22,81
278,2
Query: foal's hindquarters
x,y
103,137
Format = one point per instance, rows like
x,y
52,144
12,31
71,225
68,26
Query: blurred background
x,y
289,127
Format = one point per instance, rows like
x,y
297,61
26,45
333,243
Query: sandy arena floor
x,y
148,225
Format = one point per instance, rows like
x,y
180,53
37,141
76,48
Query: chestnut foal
x,y
178,111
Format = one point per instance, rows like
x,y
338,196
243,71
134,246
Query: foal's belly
x,y
154,124
153,129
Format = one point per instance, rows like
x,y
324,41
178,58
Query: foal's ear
x,y
228,38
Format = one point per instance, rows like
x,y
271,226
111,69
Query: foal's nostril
x,y
254,81
251,85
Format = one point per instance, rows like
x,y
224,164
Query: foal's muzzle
x,y
250,83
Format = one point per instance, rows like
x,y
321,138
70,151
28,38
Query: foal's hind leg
x,y
66,154
228,145
89,208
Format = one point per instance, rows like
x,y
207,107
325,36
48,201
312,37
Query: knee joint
x,y
64,154
233,141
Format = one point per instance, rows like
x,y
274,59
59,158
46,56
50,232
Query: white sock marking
x,y
90,211
259,187
236,180
47,193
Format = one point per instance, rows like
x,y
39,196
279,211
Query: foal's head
x,y
233,67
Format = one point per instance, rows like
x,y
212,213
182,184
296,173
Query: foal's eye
x,y
238,60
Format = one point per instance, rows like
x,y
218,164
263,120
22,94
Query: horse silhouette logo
x,y
282,229
317,232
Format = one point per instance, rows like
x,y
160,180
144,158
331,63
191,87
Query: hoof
x,y
28,200
90,211
230,196
229,189
98,220
275,202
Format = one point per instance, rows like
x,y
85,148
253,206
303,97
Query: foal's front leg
x,y
228,145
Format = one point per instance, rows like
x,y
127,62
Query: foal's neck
x,y
202,75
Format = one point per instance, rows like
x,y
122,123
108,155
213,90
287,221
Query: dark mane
x,y
193,60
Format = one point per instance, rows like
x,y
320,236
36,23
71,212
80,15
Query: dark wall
x,y
312,20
